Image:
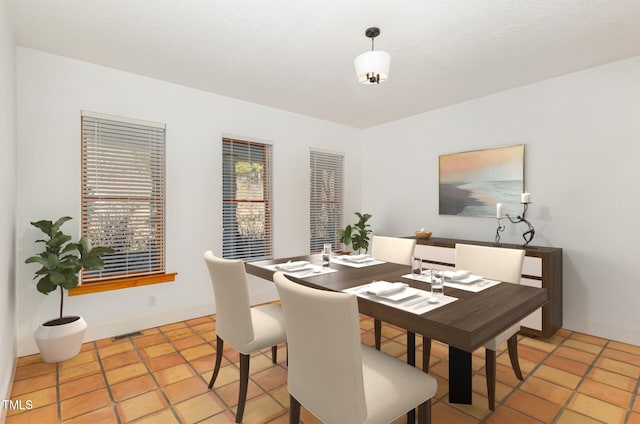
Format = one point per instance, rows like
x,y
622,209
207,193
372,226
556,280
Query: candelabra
x,y
527,235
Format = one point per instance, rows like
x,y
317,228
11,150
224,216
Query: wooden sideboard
x,y
542,268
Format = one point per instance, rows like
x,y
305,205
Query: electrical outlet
x,y
152,301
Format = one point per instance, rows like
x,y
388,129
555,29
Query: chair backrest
x,y
496,263
325,358
393,249
233,313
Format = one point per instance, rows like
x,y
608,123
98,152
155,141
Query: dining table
x,y
466,324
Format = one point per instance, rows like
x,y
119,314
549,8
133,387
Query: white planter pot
x,y
62,341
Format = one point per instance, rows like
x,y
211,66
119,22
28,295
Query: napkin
x,y
460,274
385,288
292,266
357,258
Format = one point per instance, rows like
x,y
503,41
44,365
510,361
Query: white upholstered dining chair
x,y
245,328
395,250
505,265
332,374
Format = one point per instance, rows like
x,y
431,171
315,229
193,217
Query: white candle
x,y
525,198
498,210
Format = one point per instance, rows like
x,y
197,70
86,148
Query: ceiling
x,y
298,55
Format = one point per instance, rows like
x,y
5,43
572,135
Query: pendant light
x,y
372,67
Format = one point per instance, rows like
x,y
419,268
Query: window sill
x,y
122,283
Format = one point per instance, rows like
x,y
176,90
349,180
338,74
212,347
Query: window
x,y
123,202
326,199
246,200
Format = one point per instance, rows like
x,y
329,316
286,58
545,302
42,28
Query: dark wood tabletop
x,y
466,324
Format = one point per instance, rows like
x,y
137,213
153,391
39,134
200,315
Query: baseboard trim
x,y
8,388
624,335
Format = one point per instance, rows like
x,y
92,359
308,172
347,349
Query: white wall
x,y
8,203
51,92
580,131
582,152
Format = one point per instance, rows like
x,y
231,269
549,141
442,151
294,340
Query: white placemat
x,y
345,260
307,271
472,287
417,303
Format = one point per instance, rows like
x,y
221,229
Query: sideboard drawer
x,y
534,320
532,266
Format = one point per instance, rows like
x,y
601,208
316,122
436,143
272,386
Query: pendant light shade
x,y
372,67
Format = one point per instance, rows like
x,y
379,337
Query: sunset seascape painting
x,y
472,183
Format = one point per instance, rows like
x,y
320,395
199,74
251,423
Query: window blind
x,y
325,198
246,200
123,195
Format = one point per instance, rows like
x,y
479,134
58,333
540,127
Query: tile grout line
x,y
149,372
114,404
139,352
575,391
232,363
268,392
629,408
169,340
634,396
541,363
213,389
58,400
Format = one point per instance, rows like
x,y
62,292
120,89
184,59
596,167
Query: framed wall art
x,y
472,183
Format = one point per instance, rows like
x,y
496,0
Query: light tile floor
x,y
162,375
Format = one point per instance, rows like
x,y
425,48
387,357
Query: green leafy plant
x,y
345,235
62,260
357,235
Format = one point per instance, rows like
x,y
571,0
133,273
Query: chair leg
x,y
426,353
411,416
216,369
424,412
490,367
294,410
377,330
244,384
274,354
512,345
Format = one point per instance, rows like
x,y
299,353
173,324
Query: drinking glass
x,y
416,266
326,254
437,283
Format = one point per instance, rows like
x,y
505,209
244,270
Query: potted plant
x,y
357,235
60,263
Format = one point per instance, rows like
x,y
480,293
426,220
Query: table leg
x,y
411,348
459,376
411,360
